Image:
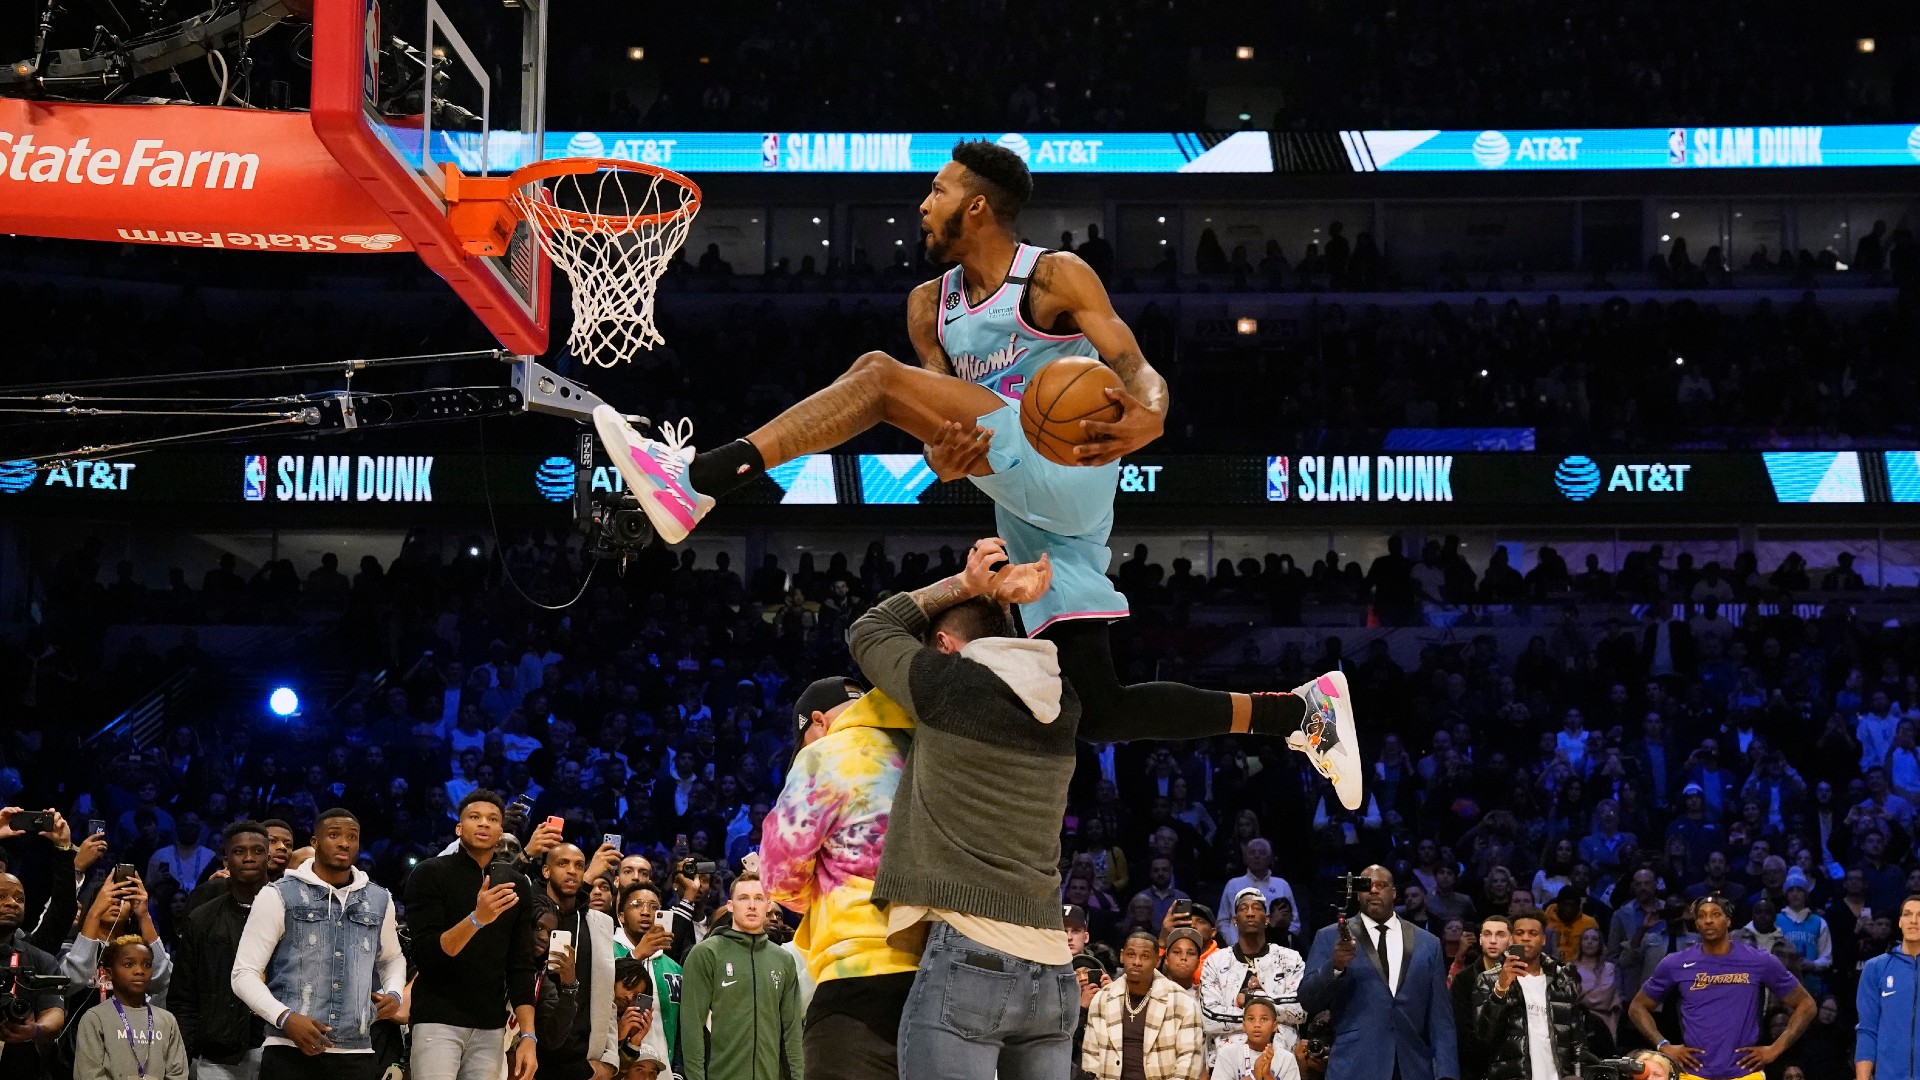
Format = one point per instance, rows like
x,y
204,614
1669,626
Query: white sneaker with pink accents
x,y
655,471
1327,736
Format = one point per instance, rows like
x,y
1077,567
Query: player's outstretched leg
x,y
676,485
1315,719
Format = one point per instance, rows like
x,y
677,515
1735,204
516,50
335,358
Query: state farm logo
x,y
149,162
380,241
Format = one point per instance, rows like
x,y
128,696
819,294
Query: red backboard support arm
x,y
340,119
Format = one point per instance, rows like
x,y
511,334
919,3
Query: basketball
x,y
1064,393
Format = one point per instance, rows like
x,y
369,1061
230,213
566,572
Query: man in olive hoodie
x,y
740,998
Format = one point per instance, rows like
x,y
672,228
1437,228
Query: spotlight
x,y
1865,44
473,552
283,701
1245,52
1247,327
636,52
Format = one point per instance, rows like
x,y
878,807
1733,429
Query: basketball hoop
x,y
611,226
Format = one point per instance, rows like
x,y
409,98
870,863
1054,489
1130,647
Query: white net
x,y
613,233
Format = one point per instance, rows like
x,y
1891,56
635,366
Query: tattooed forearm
x,y
1142,380
941,595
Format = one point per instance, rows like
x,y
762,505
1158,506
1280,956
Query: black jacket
x,y
1472,1049
213,1022
1500,1023
497,968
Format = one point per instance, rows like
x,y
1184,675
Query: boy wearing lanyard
x,y
132,1040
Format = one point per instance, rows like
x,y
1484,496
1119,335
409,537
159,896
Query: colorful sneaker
x,y
1327,736
655,471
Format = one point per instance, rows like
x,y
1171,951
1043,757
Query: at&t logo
x,y
554,480
1577,477
1491,149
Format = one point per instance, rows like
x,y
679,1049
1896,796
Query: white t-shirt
x,y
1235,1062
1539,1027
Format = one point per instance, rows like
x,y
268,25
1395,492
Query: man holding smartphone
x,y
472,927
643,938
584,1046
1527,1013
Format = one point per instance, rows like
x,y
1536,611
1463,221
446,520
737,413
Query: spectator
x,y
1250,966
153,1048
575,1043
1566,922
748,1025
1486,953
475,957
45,1016
180,865
1258,1058
118,908
821,851
1720,982
1889,998
644,940
292,947
1258,854
1144,1025
1807,930
223,1037
1599,982
1541,1031
638,1024
1404,974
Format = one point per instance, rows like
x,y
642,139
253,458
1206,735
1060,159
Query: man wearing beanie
x,y
1808,931
972,860
819,851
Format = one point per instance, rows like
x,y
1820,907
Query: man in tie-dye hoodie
x,y
819,851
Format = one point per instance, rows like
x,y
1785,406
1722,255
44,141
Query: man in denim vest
x,y
320,961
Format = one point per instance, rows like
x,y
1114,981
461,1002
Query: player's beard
x,y
940,242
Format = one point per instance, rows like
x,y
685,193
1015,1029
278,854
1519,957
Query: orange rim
x,y
554,217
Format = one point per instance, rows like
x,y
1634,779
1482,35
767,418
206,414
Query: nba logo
x,y
1676,146
254,487
370,63
1277,479
770,150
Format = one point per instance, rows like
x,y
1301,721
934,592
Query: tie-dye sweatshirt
x,y
820,845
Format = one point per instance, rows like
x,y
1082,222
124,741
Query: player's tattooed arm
x,y
923,327
1066,285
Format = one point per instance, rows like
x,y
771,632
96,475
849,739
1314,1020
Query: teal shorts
x,y
1065,511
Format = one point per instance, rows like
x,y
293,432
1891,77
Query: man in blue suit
x,y
1392,1019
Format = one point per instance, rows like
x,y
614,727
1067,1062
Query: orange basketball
x,y
1064,393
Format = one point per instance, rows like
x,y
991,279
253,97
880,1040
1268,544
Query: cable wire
x,y
499,549
227,374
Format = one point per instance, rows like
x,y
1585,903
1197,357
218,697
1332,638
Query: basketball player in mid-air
x,y
983,330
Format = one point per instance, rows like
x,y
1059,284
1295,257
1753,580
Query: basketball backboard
x,y
403,90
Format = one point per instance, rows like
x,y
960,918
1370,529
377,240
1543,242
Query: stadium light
x,y
283,702
1245,52
1865,44
1247,327
636,52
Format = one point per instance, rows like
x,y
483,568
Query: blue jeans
x,y
975,1012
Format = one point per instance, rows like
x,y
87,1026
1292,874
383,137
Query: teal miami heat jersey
x,y
991,343
1039,506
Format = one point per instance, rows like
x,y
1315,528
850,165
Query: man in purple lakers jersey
x,y
1721,982
982,330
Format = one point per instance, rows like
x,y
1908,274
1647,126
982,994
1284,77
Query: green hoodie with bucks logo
x,y
740,1010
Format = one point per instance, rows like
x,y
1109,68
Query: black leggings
x,y
1110,712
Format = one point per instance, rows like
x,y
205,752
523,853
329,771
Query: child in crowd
x,y
125,1037
1257,1058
